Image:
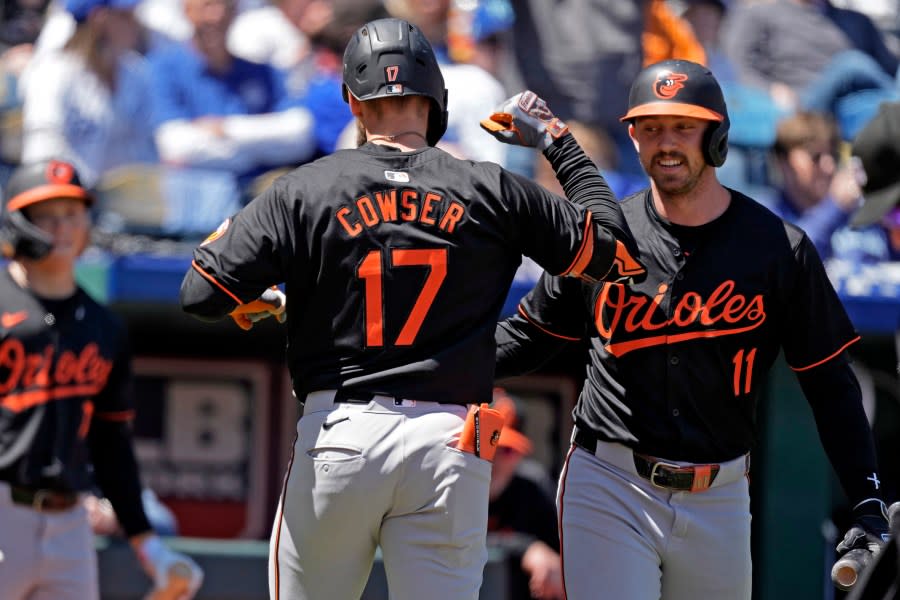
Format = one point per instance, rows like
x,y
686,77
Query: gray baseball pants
x,y
45,555
625,539
386,473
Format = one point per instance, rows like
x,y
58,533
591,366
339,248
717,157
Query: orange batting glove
x,y
272,303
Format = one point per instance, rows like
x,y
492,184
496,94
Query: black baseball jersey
x,y
678,360
63,364
396,266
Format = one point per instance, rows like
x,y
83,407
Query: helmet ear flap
x,y
715,143
24,238
437,121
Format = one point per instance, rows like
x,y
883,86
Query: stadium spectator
x,y
808,54
216,111
278,33
667,35
21,22
88,103
470,89
491,24
813,192
874,233
581,57
316,84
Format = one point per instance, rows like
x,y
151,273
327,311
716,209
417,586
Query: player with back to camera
x,y
65,404
397,259
653,499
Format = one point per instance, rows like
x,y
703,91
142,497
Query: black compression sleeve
x,y
834,395
583,184
116,473
522,347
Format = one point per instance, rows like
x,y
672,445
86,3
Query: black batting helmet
x,y
685,88
30,184
391,57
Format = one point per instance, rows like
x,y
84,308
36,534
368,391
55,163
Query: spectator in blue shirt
x,y
322,95
812,191
213,110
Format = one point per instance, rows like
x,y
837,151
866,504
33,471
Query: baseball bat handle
x,y
845,572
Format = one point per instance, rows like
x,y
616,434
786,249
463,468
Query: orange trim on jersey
x,y
827,358
622,348
25,400
548,332
280,518
585,252
679,109
628,265
119,416
214,281
559,518
47,192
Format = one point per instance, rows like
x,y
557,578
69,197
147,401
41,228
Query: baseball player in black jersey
x,y
397,258
65,403
653,500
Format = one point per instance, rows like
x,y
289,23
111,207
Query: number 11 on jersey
x,y
743,369
370,270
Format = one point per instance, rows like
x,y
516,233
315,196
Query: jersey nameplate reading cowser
x,y
390,206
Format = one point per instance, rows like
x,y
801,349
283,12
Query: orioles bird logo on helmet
x,y
668,84
60,172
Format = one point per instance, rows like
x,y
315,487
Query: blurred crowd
x,y
177,112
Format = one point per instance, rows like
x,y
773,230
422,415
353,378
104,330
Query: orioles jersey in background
x,y
420,248
63,363
679,358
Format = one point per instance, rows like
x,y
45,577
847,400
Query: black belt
x,y
41,499
694,478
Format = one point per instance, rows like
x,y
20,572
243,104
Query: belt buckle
x,y
654,472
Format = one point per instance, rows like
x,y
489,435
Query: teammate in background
x,y
65,402
397,258
653,498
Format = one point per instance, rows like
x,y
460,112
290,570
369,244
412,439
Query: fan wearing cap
x,y
653,498
65,401
875,225
88,102
521,514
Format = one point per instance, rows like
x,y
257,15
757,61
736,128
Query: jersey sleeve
x,y
549,320
606,247
557,234
555,305
247,254
115,402
816,326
